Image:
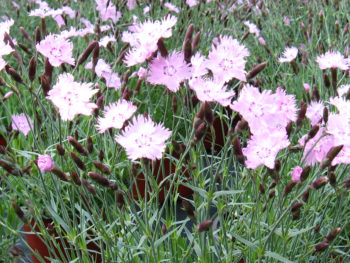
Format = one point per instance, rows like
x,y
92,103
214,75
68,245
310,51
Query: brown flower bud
x,y
238,151
89,187
313,131
78,161
164,229
86,53
103,168
296,206
25,49
45,84
332,153
75,178
187,50
306,194
137,86
121,56
26,35
189,32
9,168
317,228
289,128
120,199
195,41
162,48
320,182
14,74
305,173
296,215
315,95
256,70
326,80
321,247
302,112
89,144
43,26
37,35
325,114
272,194
189,210
333,235
77,146
59,174
32,69
272,185
204,226
174,104
48,70
99,178
200,131
100,102
332,178
101,155
95,56
126,93
60,149
289,187
262,188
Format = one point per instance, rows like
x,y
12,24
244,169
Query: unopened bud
x,y
315,95
59,174
101,155
103,168
189,210
297,206
26,35
200,131
89,144
37,35
256,70
14,74
289,187
332,153
262,188
189,32
332,179
162,49
305,173
302,113
326,80
204,226
333,235
83,57
321,247
296,215
325,114
77,146
272,194
164,229
89,187
99,178
313,131
78,161
306,194
75,178
238,151
60,149
320,182
32,69
187,50
195,41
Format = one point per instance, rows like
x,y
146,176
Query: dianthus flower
x,y
171,7
143,38
264,147
57,49
21,123
45,163
226,60
315,112
72,98
209,90
253,29
296,173
333,59
115,115
169,71
144,139
107,12
289,54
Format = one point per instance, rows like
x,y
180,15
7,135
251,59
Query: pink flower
x,y
144,139
60,21
115,115
131,4
112,80
343,89
72,98
315,112
252,28
338,125
286,21
143,38
198,62
169,71
191,3
209,90
264,147
289,54
306,87
107,12
146,9
262,41
342,105
333,59
45,163
21,123
57,49
296,173
171,7
105,40
226,60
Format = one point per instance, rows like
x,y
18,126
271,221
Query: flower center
x,y
56,52
169,70
226,63
143,141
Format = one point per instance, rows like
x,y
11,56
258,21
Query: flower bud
x,y
174,104
302,112
256,70
296,206
332,153
333,235
26,35
75,178
195,41
317,228
164,229
289,187
187,50
99,178
262,188
59,174
296,215
189,210
325,114
326,80
86,53
60,149
289,128
306,194
332,179
14,74
189,32
9,168
200,131
103,168
77,146
89,187
320,182
238,151
89,144
78,161
101,155
313,131
162,49
321,247
204,226
272,194
32,69
315,95
37,35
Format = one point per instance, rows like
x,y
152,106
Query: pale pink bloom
x,y
21,123
342,105
45,163
141,73
255,107
191,3
343,89
226,60
289,54
60,21
316,149
264,147
332,59
112,80
131,4
198,62
306,87
3,63
57,49
169,71
102,68
68,11
339,126
5,49
285,107
262,41
211,91
5,27
144,139
7,95
286,21
171,7
146,9
253,29
105,40
143,38
72,98
115,115
343,157
108,12
314,112
72,32
296,173
15,5
43,12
